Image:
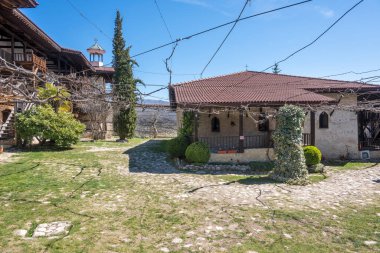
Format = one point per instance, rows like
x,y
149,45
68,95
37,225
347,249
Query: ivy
x,y
290,163
187,125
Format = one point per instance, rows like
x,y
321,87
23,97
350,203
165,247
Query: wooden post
x,y
312,128
13,48
241,131
59,63
24,44
196,115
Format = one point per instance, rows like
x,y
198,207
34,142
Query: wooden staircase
x,y
7,130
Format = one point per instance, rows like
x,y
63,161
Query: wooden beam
x,y
59,62
312,128
13,48
15,36
241,131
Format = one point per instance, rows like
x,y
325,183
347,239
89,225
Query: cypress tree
x,y
124,85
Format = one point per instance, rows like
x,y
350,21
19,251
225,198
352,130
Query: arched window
x,y
323,120
215,125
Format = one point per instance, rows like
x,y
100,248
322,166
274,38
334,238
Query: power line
x,y
87,19
163,19
321,35
295,52
353,72
225,38
164,74
219,26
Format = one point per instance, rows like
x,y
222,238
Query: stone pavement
x,y
354,187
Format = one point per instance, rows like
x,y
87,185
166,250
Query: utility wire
x,y
294,53
87,19
320,36
163,19
225,38
219,26
164,74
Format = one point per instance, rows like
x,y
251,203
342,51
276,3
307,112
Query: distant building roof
x,y
96,49
110,70
250,88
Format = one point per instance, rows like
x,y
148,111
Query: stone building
x,y
236,114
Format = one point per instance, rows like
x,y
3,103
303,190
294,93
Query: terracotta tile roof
x,y
251,87
110,70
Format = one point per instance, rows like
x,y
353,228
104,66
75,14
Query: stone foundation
x,y
249,155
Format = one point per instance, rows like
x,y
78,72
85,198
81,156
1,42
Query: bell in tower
x,y
96,54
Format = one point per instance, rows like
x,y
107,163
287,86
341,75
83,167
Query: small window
x,y
215,125
324,120
263,125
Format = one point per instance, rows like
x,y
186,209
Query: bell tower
x,y
96,54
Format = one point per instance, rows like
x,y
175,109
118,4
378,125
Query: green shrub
x,y
313,155
176,147
44,124
197,152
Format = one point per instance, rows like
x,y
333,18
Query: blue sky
x,y
352,45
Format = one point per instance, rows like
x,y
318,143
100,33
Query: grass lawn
x,y
113,211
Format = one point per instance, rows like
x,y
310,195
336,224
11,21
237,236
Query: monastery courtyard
x,y
129,197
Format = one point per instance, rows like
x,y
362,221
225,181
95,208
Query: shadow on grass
x,y
256,180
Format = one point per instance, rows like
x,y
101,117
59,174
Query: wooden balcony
x,y
31,61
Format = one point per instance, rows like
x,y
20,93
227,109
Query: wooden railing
x,y
251,141
369,144
39,63
221,142
306,139
5,55
232,142
31,59
257,141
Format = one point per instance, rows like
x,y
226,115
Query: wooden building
x,y
25,44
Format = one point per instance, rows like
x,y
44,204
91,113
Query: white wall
x,y
341,138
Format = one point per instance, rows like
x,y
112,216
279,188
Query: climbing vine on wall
x,y
290,163
187,125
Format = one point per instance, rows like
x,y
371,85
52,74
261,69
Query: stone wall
x,y
340,139
249,155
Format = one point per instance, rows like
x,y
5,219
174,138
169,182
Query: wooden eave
x,y
14,4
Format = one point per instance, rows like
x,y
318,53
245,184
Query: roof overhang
x,y
14,4
77,58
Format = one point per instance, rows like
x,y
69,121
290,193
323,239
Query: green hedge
x,y
176,147
313,155
197,152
